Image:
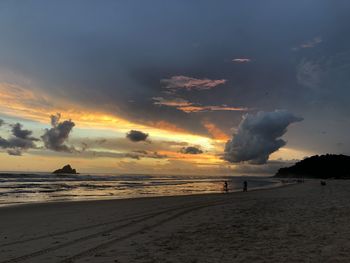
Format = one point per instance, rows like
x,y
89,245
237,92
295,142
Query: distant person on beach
x,y
245,186
225,187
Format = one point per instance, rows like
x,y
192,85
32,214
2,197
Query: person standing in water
x,y
225,187
245,186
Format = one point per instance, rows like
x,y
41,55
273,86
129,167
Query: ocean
x,y
22,188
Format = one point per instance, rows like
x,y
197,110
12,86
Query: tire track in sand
x,y
139,219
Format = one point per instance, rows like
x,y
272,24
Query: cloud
x,y
121,146
214,131
269,168
19,141
3,143
137,155
174,102
258,136
14,152
165,125
18,132
241,60
55,137
189,107
102,153
136,136
2,122
145,154
309,74
23,102
309,44
191,150
189,83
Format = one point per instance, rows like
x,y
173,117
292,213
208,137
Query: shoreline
x,y
297,222
108,199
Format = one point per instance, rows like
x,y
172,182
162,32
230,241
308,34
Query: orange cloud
x,y
34,105
189,83
164,125
189,107
176,102
217,133
207,158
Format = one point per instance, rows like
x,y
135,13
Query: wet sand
x,y
298,223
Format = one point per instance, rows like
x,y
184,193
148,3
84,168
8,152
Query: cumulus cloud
x,y
55,137
191,150
20,140
189,83
258,136
18,132
137,136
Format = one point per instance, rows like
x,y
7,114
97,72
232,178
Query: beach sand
x,y
297,223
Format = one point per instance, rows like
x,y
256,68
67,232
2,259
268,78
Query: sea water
x,y
21,188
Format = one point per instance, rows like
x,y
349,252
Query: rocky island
x,y
327,166
67,169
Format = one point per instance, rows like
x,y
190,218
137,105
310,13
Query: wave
x,y
43,187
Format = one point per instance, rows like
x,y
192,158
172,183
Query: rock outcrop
x,y
67,169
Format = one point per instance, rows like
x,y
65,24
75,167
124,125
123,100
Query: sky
x,y
172,87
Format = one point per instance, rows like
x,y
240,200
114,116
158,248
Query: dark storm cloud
x,y
116,52
19,141
258,136
56,137
137,136
93,53
191,150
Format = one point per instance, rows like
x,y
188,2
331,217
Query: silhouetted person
x,y
245,186
225,187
